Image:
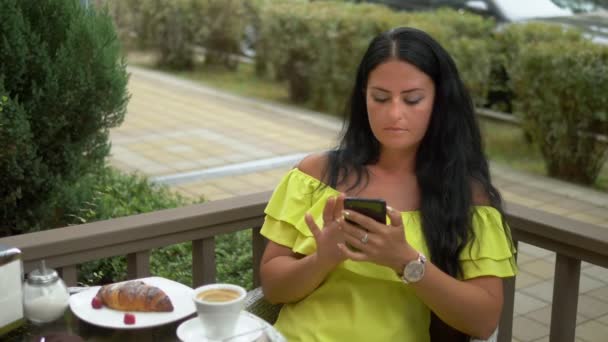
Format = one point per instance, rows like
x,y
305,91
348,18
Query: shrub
x,y
467,37
220,30
315,47
64,85
508,43
560,93
170,28
110,194
174,29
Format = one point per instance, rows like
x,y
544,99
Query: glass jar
x,y
45,296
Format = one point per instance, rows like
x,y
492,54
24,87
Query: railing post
x,y
203,262
258,246
565,299
505,327
138,265
69,274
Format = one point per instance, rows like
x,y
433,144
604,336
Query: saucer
x,y
192,330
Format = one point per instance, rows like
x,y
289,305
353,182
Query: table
x,y
70,325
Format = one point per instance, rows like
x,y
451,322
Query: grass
x,y
504,143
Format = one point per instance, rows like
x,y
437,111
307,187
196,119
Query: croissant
x,y
134,296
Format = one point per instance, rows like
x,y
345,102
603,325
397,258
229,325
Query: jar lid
x,y
43,275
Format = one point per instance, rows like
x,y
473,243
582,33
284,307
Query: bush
x,y
467,37
63,86
110,194
221,30
316,46
508,44
170,30
560,90
175,28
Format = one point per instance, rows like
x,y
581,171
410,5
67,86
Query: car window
x,y
515,10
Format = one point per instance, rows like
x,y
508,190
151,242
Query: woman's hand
x,y
330,236
381,244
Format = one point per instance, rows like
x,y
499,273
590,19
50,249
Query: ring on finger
x,y
365,238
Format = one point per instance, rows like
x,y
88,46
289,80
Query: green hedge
x,y
174,29
63,86
560,90
316,46
468,39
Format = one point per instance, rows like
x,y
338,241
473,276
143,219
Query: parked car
x,y
586,15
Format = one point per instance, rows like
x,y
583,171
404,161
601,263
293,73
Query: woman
x,y
412,140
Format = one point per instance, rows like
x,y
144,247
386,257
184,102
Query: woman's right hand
x,y
328,238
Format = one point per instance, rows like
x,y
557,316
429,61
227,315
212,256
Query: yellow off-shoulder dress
x,y
361,301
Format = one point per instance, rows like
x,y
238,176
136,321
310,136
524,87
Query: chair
x,y
256,304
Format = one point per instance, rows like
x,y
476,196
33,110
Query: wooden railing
x,y
135,236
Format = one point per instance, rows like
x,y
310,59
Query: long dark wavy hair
x,y
450,157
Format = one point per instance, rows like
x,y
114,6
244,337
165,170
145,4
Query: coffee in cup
x,y
218,295
218,307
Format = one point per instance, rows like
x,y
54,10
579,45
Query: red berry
x,y
96,303
129,318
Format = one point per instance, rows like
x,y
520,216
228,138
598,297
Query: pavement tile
x,y
525,303
232,184
210,162
554,209
546,197
588,283
601,293
592,331
591,307
585,265
185,165
525,279
526,329
603,319
540,268
519,199
533,250
523,257
542,339
543,316
542,290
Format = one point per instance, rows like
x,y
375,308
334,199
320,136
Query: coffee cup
x,y
218,307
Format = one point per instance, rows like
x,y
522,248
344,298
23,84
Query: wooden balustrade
x,y
134,236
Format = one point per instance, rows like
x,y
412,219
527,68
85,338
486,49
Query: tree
x,y
63,86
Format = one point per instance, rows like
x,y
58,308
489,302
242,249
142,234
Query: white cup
x,y
218,307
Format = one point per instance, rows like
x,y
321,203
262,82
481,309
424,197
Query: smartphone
x,y
371,207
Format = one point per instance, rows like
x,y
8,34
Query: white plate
x,y
180,295
248,328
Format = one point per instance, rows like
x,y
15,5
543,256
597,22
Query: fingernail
x,y
389,208
345,214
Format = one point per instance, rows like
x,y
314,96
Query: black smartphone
x,y
371,207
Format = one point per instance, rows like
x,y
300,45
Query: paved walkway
x,y
203,142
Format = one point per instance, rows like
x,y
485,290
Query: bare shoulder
x,y
480,195
314,165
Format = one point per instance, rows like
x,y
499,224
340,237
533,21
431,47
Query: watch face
x,y
413,271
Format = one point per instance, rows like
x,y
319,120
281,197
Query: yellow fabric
x,y
362,301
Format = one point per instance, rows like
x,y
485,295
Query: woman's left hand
x,y
382,244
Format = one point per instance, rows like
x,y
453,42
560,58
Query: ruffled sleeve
x,y
491,252
296,194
